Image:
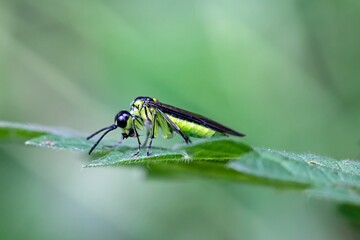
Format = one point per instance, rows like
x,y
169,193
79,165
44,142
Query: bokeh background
x,y
286,73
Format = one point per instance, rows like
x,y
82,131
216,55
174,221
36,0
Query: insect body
x,y
149,113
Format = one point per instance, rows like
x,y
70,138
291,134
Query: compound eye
x,y
122,118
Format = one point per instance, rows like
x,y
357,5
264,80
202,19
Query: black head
x,y
121,119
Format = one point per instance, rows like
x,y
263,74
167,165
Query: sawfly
x,y
150,114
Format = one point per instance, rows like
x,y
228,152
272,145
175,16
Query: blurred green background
x,y
286,73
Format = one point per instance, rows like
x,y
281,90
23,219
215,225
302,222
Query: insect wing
x,y
193,117
166,129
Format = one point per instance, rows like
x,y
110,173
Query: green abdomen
x,y
194,130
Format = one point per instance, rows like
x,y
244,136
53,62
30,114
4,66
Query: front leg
x,y
107,147
138,139
124,136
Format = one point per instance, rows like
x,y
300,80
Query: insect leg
x,y
146,139
174,126
137,136
152,135
118,143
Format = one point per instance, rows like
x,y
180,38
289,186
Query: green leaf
x,y
213,150
306,169
61,143
216,150
323,177
338,194
220,158
352,212
20,132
